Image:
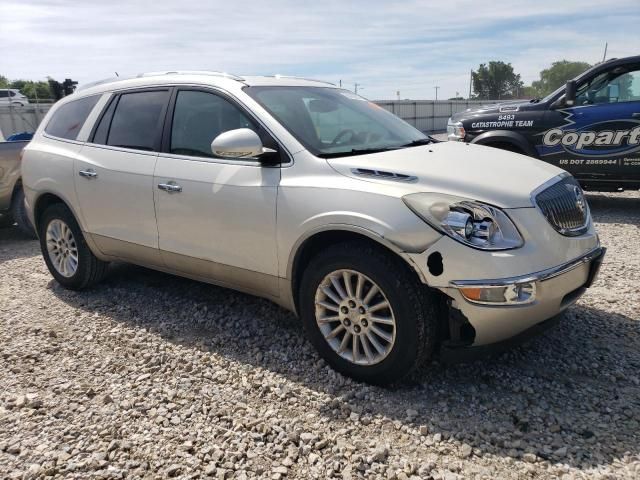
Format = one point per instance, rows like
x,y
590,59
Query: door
x,y
114,176
599,137
216,218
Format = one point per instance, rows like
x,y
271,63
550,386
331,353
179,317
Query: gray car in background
x,y
12,208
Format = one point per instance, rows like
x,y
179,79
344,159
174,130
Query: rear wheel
x,y
366,313
65,250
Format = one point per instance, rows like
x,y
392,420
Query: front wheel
x,y
65,250
366,313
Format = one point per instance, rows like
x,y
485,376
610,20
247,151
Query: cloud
x,y
410,46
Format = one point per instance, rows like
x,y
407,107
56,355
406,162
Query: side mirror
x,y
238,143
570,93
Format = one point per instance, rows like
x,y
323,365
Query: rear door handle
x,y
635,115
88,173
170,187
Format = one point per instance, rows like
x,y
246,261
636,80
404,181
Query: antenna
x,y
606,44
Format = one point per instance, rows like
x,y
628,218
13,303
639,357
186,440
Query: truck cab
x,y
590,127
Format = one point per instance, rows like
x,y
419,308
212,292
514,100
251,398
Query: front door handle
x,y
635,115
170,187
88,173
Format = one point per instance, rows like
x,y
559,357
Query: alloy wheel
x,y
62,248
355,317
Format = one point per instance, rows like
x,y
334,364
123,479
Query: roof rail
x,y
84,86
191,72
277,75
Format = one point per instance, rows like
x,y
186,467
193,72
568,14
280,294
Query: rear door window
x,y
137,120
67,120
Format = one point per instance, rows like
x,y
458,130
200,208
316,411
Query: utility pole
x,y
470,83
340,82
356,85
606,44
436,92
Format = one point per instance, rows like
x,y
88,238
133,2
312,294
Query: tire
x,y
6,220
508,147
89,269
412,309
19,213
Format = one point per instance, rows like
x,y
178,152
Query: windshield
x,y
332,122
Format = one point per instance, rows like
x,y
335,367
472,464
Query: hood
x,y
501,178
510,106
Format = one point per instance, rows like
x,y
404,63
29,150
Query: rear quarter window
x,y
67,120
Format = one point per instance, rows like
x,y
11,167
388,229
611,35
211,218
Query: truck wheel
x,y
19,213
65,250
366,313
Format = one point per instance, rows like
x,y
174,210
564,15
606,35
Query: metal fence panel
x,y
426,115
21,119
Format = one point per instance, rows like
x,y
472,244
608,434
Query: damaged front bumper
x,y
494,314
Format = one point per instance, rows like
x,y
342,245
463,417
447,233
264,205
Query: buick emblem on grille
x,y
565,207
577,192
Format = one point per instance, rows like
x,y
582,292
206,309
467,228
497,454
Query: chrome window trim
x,y
122,149
60,139
214,90
246,162
532,277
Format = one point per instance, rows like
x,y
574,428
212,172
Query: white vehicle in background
x,y
13,97
391,247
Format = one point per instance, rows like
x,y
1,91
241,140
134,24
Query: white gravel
x,y
150,376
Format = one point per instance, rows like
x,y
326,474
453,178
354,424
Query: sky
x,y
410,46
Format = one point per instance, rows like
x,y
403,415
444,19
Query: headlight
x,y
455,131
473,223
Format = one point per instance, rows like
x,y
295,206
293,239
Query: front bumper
x,y
555,289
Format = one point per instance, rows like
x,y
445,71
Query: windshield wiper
x,y
422,141
535,100
356,151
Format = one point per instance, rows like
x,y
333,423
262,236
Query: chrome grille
x,y
565,207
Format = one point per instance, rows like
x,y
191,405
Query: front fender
x,y
303,213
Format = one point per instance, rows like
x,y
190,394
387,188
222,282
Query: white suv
x,y
13,97
390,246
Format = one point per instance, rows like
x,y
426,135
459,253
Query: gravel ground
x,y
149,375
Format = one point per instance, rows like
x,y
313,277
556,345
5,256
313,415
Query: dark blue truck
x,y
590,127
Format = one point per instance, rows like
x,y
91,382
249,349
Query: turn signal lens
x,y
513,294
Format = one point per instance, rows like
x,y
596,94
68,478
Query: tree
x,y
557,75
496,81
32,89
